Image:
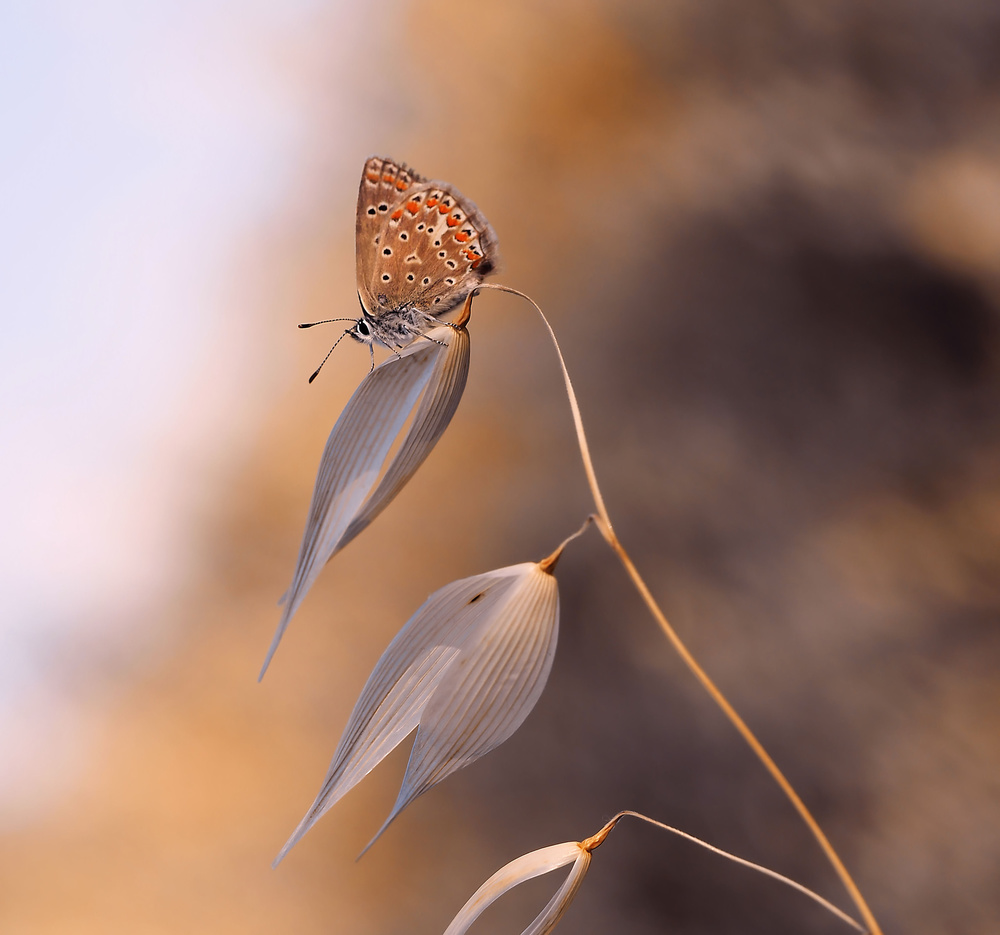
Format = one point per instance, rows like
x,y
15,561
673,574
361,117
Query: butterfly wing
x,y
426,248
383,184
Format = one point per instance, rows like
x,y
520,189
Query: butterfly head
x,y
362,331
366,329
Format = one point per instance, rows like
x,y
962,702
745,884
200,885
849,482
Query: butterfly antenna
x,y
335,343
326,321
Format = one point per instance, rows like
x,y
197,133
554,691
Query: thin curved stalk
x,y
607,531
578,853
598,839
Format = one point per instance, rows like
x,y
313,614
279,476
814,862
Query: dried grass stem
x,y
598,839
607,531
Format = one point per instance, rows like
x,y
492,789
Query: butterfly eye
x,y
363,329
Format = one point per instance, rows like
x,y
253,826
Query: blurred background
x,y
768,235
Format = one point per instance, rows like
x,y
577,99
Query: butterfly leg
x,y
393,346
433,340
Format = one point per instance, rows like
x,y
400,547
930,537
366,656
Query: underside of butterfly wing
x,y
383,184
422,247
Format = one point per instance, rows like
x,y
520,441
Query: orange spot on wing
x,y
371,176
431,202
397,214
444,209
461,237
412,207
453,222
474,265
402,185
387,178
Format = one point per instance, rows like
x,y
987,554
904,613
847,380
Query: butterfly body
x,y
421,249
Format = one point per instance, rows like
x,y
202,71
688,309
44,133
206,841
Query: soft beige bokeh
x,y
766,235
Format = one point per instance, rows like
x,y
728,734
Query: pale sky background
x,y
142,146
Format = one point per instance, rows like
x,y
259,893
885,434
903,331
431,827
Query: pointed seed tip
x,y
267,662
466,314
378,834
548,565
596,840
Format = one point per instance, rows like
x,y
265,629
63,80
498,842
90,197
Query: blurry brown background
x,y
768,236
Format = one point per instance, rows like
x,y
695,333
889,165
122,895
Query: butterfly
x,y
421,248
